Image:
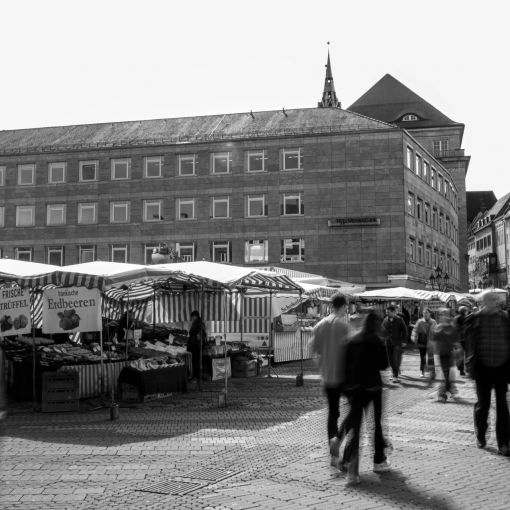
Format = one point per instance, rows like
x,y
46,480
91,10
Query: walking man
x,y
488,363
422,337
395,334
329,341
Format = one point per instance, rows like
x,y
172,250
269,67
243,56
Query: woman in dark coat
x,y
196,337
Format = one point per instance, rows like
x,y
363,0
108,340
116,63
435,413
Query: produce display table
x,y
90,376
159,380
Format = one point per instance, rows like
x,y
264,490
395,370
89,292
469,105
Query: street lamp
x,y
439,280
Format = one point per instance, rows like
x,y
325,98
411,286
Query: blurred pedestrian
x,y
395,335
446,338
329,340
422,337
197,337
460,323
488,363
365,358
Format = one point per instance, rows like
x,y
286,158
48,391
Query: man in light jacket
x,y
329,342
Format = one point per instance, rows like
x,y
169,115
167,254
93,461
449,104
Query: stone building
x,y
324,190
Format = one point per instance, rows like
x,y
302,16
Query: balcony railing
x,y
451,153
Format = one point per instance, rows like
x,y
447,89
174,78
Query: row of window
x,y
484,242
424,255
120,169
291,204
431,216
421,167
255,251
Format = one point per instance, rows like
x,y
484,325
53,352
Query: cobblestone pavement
x,y
265,449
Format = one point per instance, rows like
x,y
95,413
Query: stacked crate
x,y
60,392
243,367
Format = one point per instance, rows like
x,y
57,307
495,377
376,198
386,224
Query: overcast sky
x,y
76,62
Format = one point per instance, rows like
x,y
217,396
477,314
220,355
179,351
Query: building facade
x,y
322,190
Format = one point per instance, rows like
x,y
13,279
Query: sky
x,y
79,62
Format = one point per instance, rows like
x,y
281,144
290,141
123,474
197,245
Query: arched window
x,y
409,116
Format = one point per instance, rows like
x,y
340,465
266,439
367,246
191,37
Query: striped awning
x,y
270,282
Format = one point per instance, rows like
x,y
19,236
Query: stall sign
x,y
435,304
14,311
71,309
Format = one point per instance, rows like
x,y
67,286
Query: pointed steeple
x,y
329,99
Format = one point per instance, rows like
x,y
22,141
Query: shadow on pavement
x,y
392,486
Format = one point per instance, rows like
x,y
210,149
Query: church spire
x,y
329,99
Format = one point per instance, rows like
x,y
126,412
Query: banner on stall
x,y
14,311
71,309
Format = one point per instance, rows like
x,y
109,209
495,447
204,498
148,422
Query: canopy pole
x,y
199,378
241,313
225,342
299,378
101,361
127,324
34,361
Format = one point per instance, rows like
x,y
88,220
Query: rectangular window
x,y
152,167
2,216
440,183
25,215
256,251
426,213
440,147
412,250
187,164
436,258
256,206
57,173
148,250
428,257
186,251
55,255
56,214
409,158
220,207
24,254
433,178
119,212
86,253
26,175
255,161
446,189
292,205
426,170
418,165
441,223
221,162
120,169
291,159
152,210
434,218
119,253
87,213
2,175
420,253
419,209
411,204
292,250
447,225
88,171
221,251
185,208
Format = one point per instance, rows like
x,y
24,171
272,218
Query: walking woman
x,y
422,337
365,358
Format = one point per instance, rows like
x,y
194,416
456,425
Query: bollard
x,y
114,411
299,380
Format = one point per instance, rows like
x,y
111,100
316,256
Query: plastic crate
x,y
129,393
59,394
245,369
60,380
60,406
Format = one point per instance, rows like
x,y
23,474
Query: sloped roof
x,y
388,100
498,207
187,129
478,201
